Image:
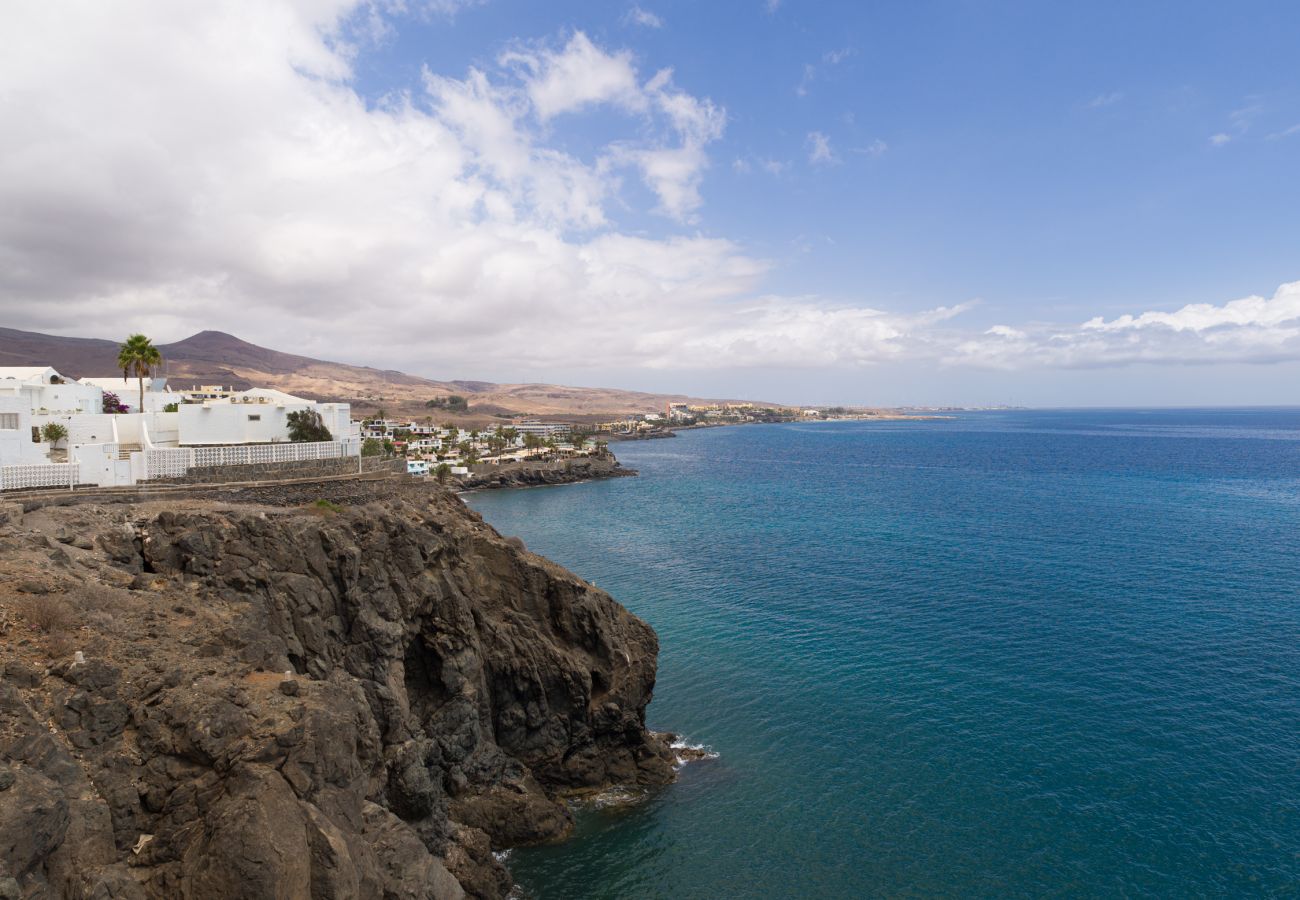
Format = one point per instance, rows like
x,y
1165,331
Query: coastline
x,y
541,474
671,431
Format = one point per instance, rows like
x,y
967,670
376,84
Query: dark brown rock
x,y
448,690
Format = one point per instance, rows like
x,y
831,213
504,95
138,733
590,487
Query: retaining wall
x,y
307,468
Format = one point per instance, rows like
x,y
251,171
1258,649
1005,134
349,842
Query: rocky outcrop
x,y
277,699
537,474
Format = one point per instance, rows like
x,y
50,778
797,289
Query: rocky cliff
x,y
536,474
276,698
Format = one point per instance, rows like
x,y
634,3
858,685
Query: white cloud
x,y
1253,329
643,17
1220,139
1103,100
876,148
581,75
819,149
163,171
577,76
771,6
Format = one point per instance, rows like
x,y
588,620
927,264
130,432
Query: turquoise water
x,y
1007,655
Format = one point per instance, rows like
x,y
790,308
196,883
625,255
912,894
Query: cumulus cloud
x,y
174,175
576,76
1251,330
187,165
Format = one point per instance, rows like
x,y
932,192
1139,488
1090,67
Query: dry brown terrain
x,y
213,357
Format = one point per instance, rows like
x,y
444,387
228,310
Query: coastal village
x,y
118,429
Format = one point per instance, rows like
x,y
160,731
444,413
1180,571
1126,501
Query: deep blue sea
x,y
1008,654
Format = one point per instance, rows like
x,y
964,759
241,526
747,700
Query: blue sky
x,y
923,202
1041,156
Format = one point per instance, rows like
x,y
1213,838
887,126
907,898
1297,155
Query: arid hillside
x,y
214,357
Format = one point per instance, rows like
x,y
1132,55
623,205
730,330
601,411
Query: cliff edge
x,y
538,474
445,689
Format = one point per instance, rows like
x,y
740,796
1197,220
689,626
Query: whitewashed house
x,y
257,416
157,396
122,449
16,445
45,391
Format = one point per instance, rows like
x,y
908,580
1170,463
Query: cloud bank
x,y
168,167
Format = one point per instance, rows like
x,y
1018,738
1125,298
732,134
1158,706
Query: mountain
x,y
214,357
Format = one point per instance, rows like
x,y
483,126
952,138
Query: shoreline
x,y
672,430
543,474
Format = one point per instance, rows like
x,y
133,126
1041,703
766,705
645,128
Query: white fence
x,y
254,454
13,478
167,463
174,463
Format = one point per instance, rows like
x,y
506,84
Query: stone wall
x,y
310,468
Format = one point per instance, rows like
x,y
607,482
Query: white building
x,y
208,392
121,449
257,416
157,396
16,445
46,391
544,429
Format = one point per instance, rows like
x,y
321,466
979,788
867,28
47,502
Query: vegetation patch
x,y
46,613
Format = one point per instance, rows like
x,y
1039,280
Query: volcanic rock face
x,y
530,474
286,702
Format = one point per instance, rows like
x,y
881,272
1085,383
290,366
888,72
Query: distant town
x,y
118,429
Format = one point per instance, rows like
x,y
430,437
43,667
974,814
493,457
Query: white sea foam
x,y
685,752
616,796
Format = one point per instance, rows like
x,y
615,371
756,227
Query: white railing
x,y
254,454
174,463
167,463
13,478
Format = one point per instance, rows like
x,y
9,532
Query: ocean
x,y
1006,654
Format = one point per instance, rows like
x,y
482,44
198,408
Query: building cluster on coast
x,y
132,427
120,429
111,431
686,415
450,450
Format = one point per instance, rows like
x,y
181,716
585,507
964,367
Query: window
x,y
254,417
8,421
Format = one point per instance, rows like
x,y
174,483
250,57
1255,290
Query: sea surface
x,y
1007,654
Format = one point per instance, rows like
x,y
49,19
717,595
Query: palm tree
x,y
138,356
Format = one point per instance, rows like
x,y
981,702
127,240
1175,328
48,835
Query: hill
x,y
214,357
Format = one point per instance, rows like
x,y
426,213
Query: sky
x,y
967,202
